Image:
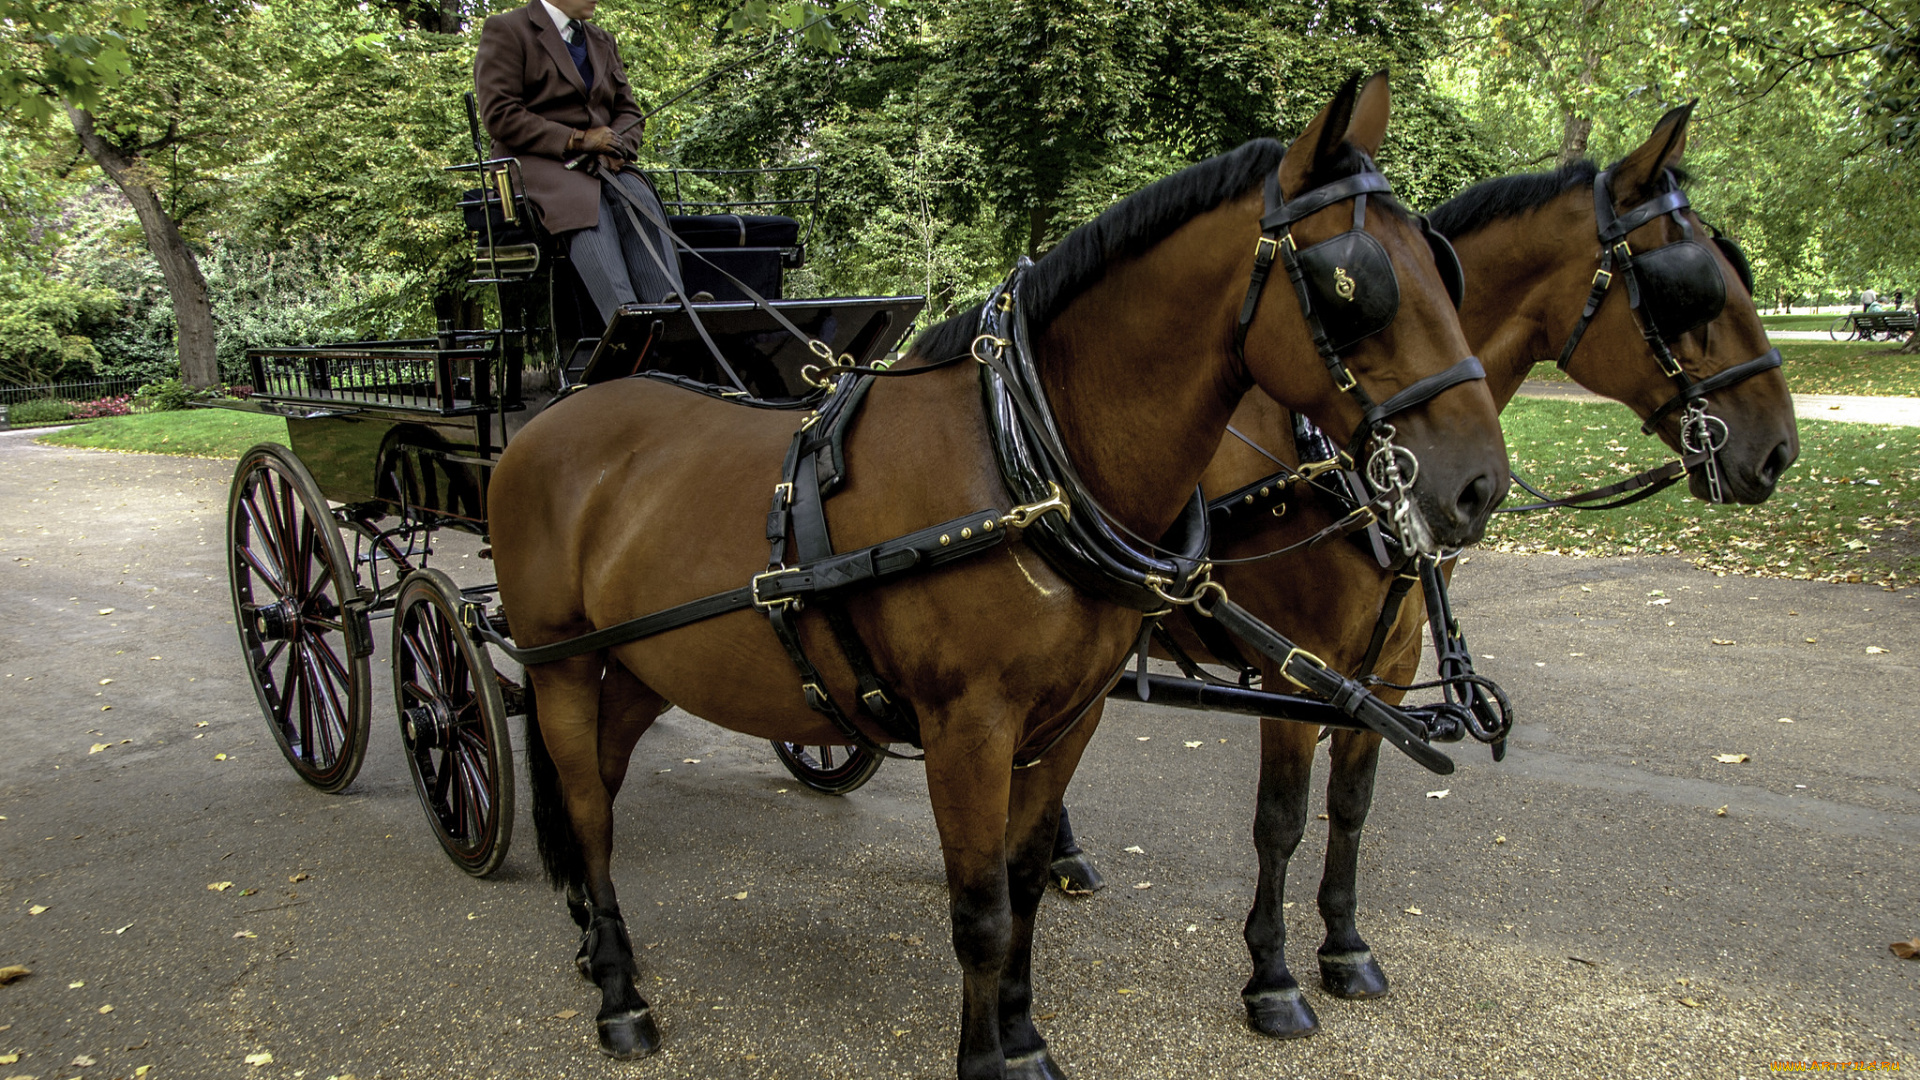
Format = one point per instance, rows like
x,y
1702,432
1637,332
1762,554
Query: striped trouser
x,y
612,261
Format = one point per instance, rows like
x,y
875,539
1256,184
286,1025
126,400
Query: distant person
x,y
1869,300
1898,296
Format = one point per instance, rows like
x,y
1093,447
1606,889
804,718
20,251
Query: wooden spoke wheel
x,y
453,723
296,606
832,770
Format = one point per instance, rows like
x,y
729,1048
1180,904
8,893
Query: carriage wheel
x,y
453,723
1841,329
295,605
831,770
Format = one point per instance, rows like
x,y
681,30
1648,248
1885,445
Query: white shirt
x,y
560,21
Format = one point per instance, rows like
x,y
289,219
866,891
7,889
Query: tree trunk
x,y
194,335
1573,137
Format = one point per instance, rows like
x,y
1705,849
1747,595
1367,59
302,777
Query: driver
x,y
551,90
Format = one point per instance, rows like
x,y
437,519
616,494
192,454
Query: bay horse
x,y
635,495
1529,244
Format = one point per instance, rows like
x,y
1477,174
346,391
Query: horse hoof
x,y
1076,876
1038,1065
1281,1014
628,1035
1354,976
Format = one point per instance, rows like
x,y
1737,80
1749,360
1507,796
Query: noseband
x,y
1671,289
1348,291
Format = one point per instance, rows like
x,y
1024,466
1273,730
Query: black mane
x,y
1509,196
1126,229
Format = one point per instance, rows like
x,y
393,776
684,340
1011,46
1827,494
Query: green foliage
x,y
39,411
58,53
164,395
45,327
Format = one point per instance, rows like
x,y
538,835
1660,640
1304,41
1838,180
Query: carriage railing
x,y
412,375
674,196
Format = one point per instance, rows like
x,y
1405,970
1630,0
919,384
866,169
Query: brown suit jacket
x,y
532,100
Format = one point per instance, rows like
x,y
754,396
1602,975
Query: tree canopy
x,y
180,179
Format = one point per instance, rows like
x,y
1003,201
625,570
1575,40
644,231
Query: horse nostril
x,y
1476,499
1777,463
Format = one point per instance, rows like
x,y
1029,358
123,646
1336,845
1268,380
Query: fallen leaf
x,y
1691,1004
1784,720
36,909
81,1060
1874,650
739,896
123,929
1730,759
298,878
104,1010
471,916
199,723
1906,950
689,761
1123,990
1141,738
14,971
1662,602
141,1072
259,1059
220,886
1415,911
8,1059
245,934
1320,817
1135,849
1195,744
566,1014
1499,839
1722,641
1722,812
248,892
1193,928
1441,794
1584,960
106,611
219,757
1812,640
76,984
1144,885
99,746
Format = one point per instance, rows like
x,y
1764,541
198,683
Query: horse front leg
x,y
1272,996
577,698
969,782
1035,821
1347,966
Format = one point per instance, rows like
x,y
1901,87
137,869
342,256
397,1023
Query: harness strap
x,y
1719,380
1310,673
1403,581
1642,484
1432,386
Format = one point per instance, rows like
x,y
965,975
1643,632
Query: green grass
x,y
1825,367
1828,520
1798,322
214,433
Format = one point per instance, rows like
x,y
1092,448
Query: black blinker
x,y
1681,286
1355,292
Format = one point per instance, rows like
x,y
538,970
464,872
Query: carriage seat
x,y
757,249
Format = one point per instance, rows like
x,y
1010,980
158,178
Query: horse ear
x,y
1369,125
1635,177
1316,144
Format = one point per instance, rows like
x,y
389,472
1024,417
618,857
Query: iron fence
x,y
90,390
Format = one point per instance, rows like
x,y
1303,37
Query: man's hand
x,y
611,163
600,140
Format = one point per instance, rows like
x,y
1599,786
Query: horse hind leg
x,y
1347,967
580,700
1275,1005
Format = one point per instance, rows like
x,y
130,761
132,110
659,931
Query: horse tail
x,y
559,847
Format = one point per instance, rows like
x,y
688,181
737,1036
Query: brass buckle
x,y
1623,250
1265,249
1312,469
1345,380
1304,655
1669,365
1022,516
783,492
766,605
875,693
1607,274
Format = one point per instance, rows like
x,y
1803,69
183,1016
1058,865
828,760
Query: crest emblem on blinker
x,y
1342,284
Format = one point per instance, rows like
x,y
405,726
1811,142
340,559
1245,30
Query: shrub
x,y
39,411
106,406
166,394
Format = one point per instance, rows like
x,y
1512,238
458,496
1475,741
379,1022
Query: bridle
x,y
1348,291
1672,289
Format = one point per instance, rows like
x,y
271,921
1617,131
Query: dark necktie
x,y
577,48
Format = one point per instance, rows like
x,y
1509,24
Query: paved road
x,y
1708,945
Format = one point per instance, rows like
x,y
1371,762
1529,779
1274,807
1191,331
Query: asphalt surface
x,y
1854,408
1583,909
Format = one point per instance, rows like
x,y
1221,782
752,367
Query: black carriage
x,y
392,440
